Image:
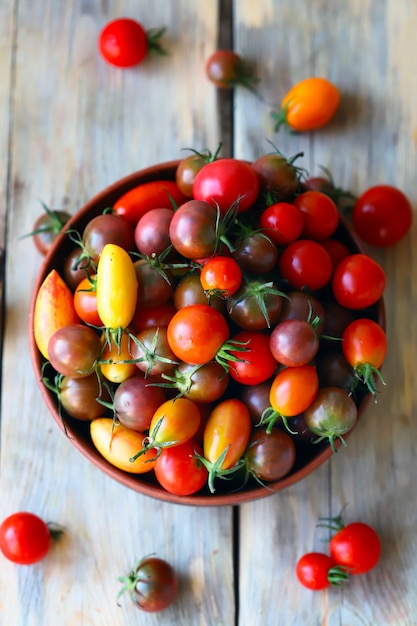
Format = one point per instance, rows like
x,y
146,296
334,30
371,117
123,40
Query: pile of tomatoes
x,y
216,327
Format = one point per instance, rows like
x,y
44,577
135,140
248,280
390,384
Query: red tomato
x,y
305,263
310,104
364,342
125,43
227,182
221,275
320,215
24,538
356,547
335,249
179,471
382,215
256,364
196,333
85,302
282,222
358,281
156,194
317,571
293,390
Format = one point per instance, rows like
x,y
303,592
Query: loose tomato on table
x,y
356,547
309,105
155,194
124,42
226,69
318,571
152,584
25,538
382,215
47,227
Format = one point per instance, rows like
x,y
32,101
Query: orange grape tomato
x,y
310,104
228,426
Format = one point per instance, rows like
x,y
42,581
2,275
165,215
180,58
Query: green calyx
x,y
215,469
270,416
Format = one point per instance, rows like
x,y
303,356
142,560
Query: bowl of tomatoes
x,y
208,331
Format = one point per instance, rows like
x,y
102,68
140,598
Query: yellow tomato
x,y
116,287
117,372
54,309
117,444
310,104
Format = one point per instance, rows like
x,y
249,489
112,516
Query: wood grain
x,y
69,126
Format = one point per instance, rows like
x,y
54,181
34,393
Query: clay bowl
x,y
77,432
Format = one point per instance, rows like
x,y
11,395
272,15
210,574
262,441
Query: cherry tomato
x,y
228,428
306,264
227,183
256,305
282,222
221,275
335,249
151,350
270,456
113,358
79,397
317,571
309,105
300,305
226,69
153,316
47,227
201,383
104,229
358,281
364,345
187,170
293,390
24,538
257,363
85,302
73,350
356,547
152,584
123,42
256,253
155,194
294,342
152,232
278,176
193,229
196,333
320,215
382,215
117,444
135,402
179,471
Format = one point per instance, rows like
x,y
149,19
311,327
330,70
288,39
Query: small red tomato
x,y
221,276
314,571
306,264
320,215
283,222
382,216
124,42
357,547
358,281
179,471
24,538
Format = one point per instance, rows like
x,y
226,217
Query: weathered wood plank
x,y
364,47
78,125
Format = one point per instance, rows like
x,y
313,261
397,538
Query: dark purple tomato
x,y
152,232
256,253
277,175
303,306
186,172
338,318
77,267
270,456
74,350
104,229
256,399
294,342
136,400
79,397
151,349
190,291
155,287
201,383
334,371
152,584
47,227
193,229
255,306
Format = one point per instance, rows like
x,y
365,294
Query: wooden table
x,y
69,126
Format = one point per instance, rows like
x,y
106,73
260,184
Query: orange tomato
x,y
117,372
228,426
54,309
310,104
118,444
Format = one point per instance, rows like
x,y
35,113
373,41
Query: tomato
x,y
200,383
116,352
155,194
356,547
196,333
76,267
194,229
104,229
152,231
117,444
278,176
256,305
320,215
332,414
54,308
79,397
227,183
226,436
47,227
270,456
226,69
152,352
306,264
317,571
335,249
256,253
123,42
135,402
300,305
116,287
294,342
24,538
179,471
152,584
186,172
221,275
382,215
173,423
358,281
283,222
85,301
308,105
153,316
257,363
364,345
74,350
190,291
